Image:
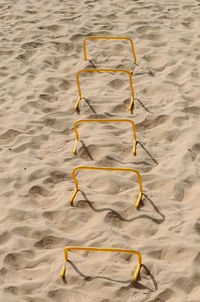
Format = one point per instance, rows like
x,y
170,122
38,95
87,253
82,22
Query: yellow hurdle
x,y
104,120
102,37
110,169
68,248
104,69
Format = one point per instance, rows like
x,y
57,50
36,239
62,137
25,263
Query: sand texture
x,y
40,53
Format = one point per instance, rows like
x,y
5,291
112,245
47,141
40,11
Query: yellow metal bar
x,y
110,169
102,37
104,69
131,104
63,271
104,120
99,249
77,102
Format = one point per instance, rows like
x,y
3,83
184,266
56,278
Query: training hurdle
x,y
109,169
104,120
104,69
68,248
102,37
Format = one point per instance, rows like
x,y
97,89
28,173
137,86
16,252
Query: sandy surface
x,y
41,51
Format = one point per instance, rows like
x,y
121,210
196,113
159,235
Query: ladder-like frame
x,y
109,169
103,37
106,70
105,120
68,248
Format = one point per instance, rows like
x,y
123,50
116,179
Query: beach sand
x,y
41,51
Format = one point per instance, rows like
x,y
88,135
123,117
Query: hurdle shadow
x,y
114,159
87,101
92,63
149,72
86,150
145,108
141,162
130,283
147,152
142,105
119,216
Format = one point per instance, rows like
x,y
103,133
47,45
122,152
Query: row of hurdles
x,y
139,198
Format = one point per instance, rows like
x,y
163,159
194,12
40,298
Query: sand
x,y
41,51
